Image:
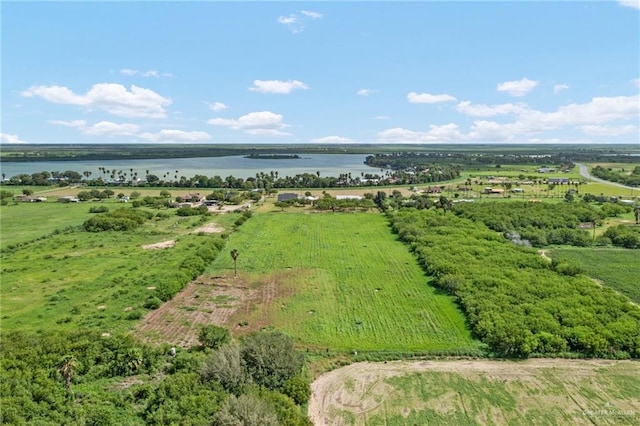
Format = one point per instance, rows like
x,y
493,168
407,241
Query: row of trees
x,y
629,179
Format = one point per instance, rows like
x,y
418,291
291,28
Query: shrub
x,y
212,336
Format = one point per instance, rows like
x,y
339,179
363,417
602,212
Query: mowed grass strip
x,y
342,281
615,268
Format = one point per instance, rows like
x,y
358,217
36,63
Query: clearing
x,y
535,391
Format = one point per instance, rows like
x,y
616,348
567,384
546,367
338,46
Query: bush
x,y
99,209
212,336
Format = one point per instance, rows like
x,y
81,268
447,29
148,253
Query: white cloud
x,y
296,22
175,136
150,73
113,98
102,128
311,14
517,88
216,106
636,82
557,88
365,92
609,130
426,98
7,138
445,133
332,139
630,3
482,110
277,86
254,123
591,118
381,117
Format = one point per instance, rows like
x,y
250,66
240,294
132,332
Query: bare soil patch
x,y
160,245
362,390
209,228
223,300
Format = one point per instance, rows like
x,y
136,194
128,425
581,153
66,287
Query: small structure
x,y
287,196
68,199
490,190
517,190
557,180
348,197
546,170
30,199
433,190
210,203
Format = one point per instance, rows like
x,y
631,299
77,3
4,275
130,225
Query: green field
x,y
71,278
342,281
615,268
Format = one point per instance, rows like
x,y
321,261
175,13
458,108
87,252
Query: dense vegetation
x,y
81,377
629,179
516,301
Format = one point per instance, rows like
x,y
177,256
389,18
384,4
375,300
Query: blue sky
x,y
314,72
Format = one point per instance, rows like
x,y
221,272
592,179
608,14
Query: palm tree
x,y
234,255
66,367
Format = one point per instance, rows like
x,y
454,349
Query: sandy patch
x,y
209,228
362,389
160,245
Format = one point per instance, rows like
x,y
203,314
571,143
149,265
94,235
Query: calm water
x,y
238,166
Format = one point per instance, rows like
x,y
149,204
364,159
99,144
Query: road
x,y
585,174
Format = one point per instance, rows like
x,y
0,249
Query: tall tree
x,y
234,255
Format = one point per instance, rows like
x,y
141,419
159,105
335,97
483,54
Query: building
x,y
287,196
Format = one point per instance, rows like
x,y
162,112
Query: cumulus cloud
x,y
602,116
113,98
630,3
277,86
426,98
102,128
445,133
175,136
381,117
150,73
296,22
636,82
7,138
216,106
557,88
254,123
332,139
517,88
596,130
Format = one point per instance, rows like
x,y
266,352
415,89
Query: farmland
x,y
536,391
615,268
342,282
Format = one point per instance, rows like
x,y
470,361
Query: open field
x,y
56,275
615,268
536,391
335,281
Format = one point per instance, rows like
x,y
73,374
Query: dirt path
x,y
361,389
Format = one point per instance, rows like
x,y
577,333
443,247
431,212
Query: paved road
x,y
585,174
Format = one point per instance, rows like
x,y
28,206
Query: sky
x,y
320,72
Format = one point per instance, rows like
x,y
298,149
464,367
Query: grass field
x,y
342,281
615,268
81,279
542,392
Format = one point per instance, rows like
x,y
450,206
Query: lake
x,y
237,166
